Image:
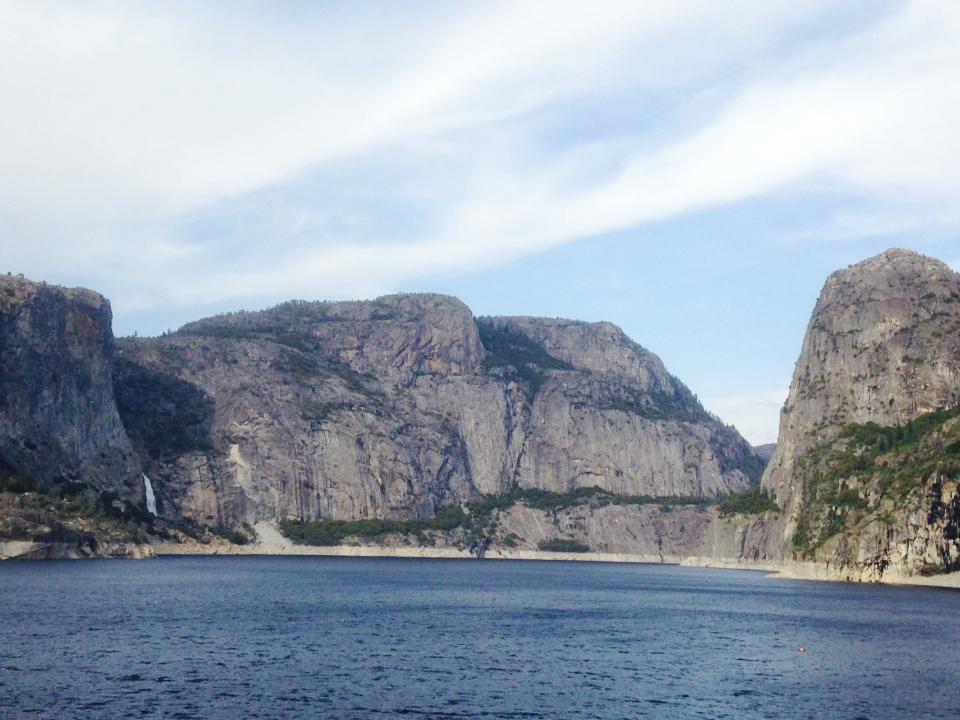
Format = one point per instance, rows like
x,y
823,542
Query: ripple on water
x,y
358,638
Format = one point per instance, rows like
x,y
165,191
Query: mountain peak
x,y
899,261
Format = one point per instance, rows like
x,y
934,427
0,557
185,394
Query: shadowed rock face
x,y
58,419
398,406
883,347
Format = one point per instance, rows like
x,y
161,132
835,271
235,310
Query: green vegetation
x,y
238,536
70,508
333,532
893,462
517,355
681,405
876,439
752,502
291,316
65,508
16,483
748,463
562,545
317,412
477,520
597,497
511,540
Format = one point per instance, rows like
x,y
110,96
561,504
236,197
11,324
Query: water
x,y
151,498
287,637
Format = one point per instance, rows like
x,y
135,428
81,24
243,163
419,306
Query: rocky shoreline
x,y
42,550
785,569
792,570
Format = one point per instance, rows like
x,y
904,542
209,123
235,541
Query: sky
x,y
691,171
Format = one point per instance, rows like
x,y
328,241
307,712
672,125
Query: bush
x,y
562,545
17,483
521,357
752,502
334,532
511,540
897,460
476,520
237,537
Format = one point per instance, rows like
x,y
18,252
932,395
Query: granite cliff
x,y
58,419
401,406
407,422
868,457
69,478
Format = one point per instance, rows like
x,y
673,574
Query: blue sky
x,y
691,171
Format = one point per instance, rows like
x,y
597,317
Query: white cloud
x,y
755,415
124,119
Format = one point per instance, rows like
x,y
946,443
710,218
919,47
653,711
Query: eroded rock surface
x,y
396,407
58,419
881,351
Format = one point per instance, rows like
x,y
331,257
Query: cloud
x,y
755,415
144,144
174,109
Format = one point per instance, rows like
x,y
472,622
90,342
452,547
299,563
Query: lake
x,y
313,637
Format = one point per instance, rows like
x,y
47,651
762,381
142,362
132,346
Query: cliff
x,y
58,420
866,464
401,406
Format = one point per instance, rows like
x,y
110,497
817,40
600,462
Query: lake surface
x,y
285,637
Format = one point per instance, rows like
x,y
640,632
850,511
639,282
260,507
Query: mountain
x,y
396,408
765,451
406,421
64,454
868,457
58,419
398,420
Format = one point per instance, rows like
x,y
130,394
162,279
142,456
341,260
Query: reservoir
x,y
315,637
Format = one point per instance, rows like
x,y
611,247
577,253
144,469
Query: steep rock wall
x,y
881,350
58,419
396,407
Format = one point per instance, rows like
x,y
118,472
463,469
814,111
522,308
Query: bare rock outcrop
x,y
864,473
58,419
397,407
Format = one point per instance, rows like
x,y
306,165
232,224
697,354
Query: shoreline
x,y
788,569
451,553
785,569
823,572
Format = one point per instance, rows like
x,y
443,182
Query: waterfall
x,y
151,498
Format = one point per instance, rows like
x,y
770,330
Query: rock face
x,y
58,419
396,407
765,451
621,529
610,415
882,350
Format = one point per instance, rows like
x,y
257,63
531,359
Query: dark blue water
x,y
372,638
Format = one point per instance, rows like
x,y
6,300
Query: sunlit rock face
x,y
395,407
882,347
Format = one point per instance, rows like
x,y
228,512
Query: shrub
x,y
752,502
237,537
17,483
562,545
477,520
521,357
511,540
898,460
